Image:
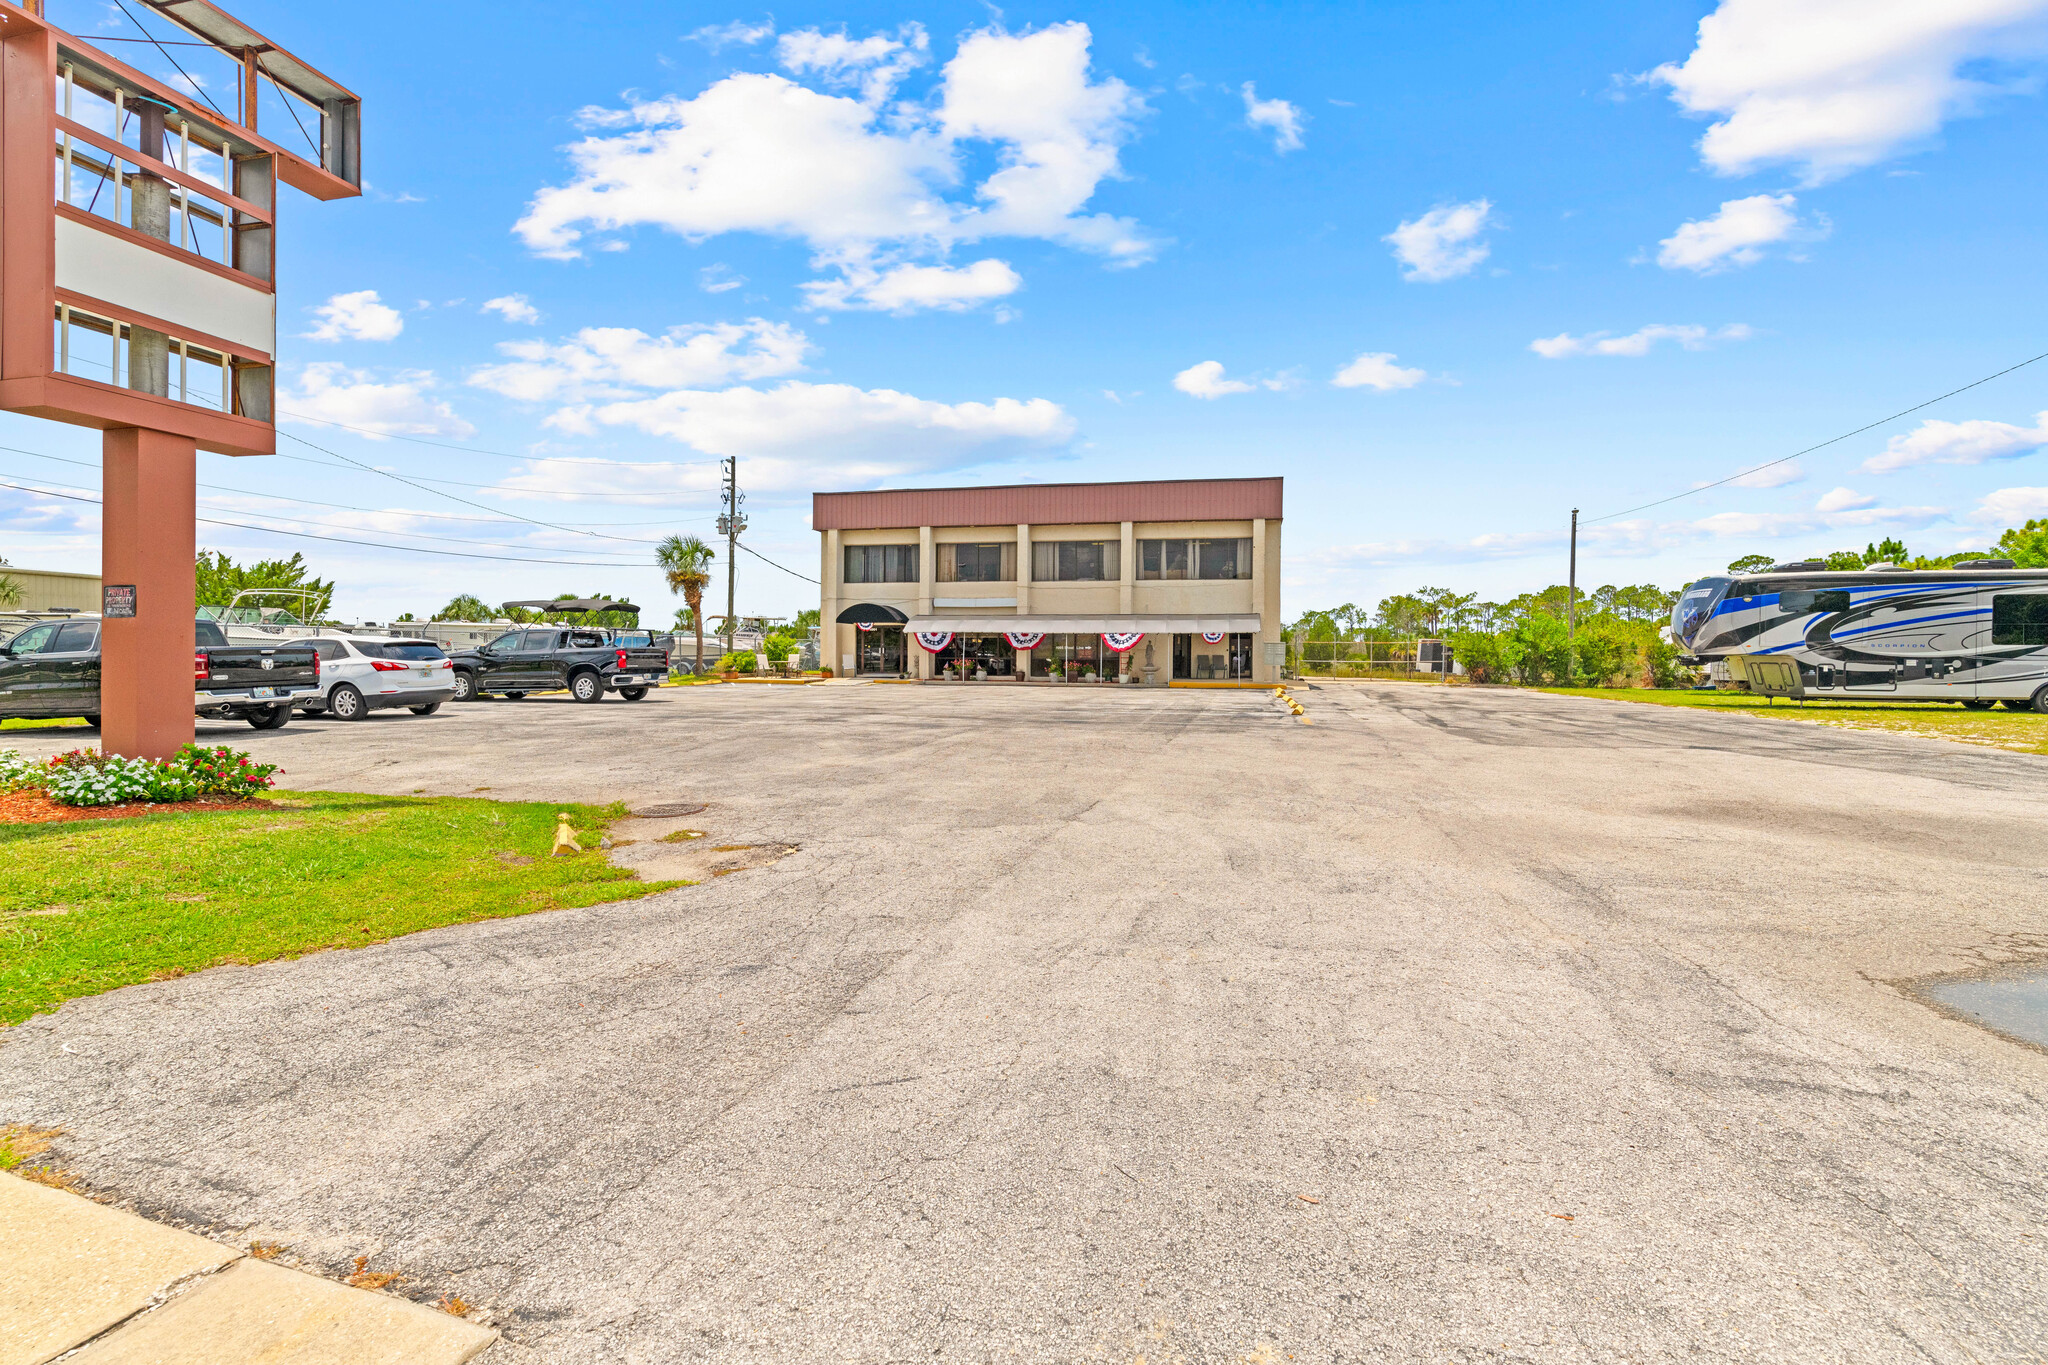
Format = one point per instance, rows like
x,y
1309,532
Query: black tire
x,y
270,718
587,687
429,709
632,693
346,703
2040,702
465,686
1979,705
93,722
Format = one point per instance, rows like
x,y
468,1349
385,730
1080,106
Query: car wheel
x,y
632,693
2040,702
429,709
465,685
270,718
345,703
1979,705
587,687
93,722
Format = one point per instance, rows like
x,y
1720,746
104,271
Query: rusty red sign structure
x,y
138,256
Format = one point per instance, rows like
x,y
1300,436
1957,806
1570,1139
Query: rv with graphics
x,y
1975,634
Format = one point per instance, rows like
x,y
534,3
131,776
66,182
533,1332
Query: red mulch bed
x,y
34,808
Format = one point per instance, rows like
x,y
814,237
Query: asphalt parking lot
x,y
1085,1024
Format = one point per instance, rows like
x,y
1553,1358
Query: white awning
x,y
1089,625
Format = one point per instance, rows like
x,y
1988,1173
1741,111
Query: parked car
x,y
550,658
360,674
51,670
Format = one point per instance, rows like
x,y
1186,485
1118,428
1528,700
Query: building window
x,y
1076,561
2019,618
881,564
1180,559
978,563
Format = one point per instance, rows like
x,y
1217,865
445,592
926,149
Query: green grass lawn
x,y
29,723
2023,732
86,906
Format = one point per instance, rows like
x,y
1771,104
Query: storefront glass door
x,y
881,650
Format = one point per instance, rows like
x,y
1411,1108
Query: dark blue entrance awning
x,y
871,614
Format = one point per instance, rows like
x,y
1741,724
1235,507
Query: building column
x,y
830,652
1023,568
1127,559
147,542
927,575
1269,625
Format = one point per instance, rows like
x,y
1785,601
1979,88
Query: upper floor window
x,y
1082,561
1182,559
978,563
881,564
2019,618
1798,602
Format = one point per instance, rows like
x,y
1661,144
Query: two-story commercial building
x,y
1083,582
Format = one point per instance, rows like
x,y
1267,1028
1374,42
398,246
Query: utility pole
x,y
730,524
1571,608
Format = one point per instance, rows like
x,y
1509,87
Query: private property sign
x,y
118,600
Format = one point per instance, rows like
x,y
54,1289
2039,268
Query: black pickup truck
x,y
550,658
51,670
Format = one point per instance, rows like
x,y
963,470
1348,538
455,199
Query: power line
x,y
1745,473
344,540
766,560
478,450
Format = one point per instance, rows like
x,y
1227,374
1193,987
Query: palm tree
x,y
686,563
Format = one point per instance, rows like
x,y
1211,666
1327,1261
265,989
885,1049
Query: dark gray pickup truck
x,y
550,658
51,670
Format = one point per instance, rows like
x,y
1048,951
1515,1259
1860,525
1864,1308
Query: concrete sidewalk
x,y
75,1274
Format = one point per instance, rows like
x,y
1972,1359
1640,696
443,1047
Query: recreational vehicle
x,y
1975,634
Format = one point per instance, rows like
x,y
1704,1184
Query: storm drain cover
x,y
668,810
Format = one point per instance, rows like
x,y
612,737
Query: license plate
x,y
262,691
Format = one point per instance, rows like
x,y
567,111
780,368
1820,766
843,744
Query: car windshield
x,y
1696,607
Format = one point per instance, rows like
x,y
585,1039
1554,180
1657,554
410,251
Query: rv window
x,y
2019,618
1799,602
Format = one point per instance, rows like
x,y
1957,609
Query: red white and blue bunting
x,y
1023,639
1122,641
1214,637
935,640
867,625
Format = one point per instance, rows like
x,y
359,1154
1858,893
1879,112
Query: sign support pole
x,y
147,541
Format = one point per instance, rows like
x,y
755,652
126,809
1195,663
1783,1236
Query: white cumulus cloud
x,y
1014,142
1973,442
1638,342
909,288
512,308
797,435
874,65
1377,370
1843,500
1443,243
1278,117
1205,380
738,33
1833,85
2011,507
613,362
330,391
1735,235
358,316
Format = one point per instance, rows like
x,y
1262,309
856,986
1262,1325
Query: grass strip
x,y
89,906
2023,732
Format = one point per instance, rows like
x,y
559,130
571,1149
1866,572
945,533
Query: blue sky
x,y
1452,269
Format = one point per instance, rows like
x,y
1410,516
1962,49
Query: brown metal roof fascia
x,y
1054,504
229,34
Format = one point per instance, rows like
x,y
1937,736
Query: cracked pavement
x,y
1464,1024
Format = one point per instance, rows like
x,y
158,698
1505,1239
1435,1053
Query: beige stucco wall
x,y
1260,593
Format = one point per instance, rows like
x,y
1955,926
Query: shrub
x,y
780,647
739,661
86,777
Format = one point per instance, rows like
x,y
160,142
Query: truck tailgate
x,y
241,667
